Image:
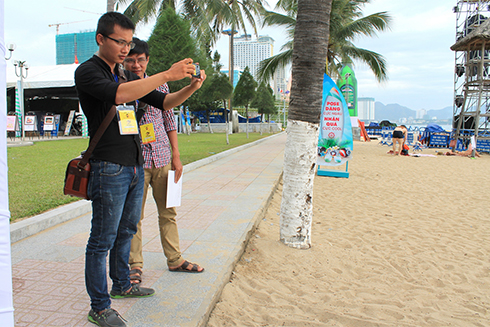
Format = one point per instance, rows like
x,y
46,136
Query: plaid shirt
x,y
159,152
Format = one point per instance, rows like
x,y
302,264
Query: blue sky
x,y
420,62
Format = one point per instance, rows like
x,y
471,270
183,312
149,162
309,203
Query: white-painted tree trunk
x,y
110,5
299,173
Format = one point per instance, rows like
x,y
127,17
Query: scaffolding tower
x,y
471,106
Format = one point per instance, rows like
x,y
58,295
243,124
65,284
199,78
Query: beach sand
x,y
404,241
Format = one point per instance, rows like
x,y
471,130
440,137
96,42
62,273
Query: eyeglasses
x,y
131,61
121,43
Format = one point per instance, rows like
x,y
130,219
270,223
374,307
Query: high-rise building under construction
x,y
75,47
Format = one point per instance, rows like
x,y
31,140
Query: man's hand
x,y
175,99
180,70
177,166
196,83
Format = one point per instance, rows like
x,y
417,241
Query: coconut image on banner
x,y
335,137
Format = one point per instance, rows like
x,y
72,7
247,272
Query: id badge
x,y
127,120
147,133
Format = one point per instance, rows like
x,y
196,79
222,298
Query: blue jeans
x,y
117,194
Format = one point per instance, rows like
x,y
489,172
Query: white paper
x,y
174,190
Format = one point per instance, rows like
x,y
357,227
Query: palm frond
x,y
271,18
375,61
268,66
368,26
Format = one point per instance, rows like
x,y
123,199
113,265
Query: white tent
x,y
44,76
6,300
45,81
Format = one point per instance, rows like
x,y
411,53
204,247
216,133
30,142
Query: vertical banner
x,y
182,120
84,126
347,84
188,118
68,123
84,122
6,299
17,108
335,137
57,120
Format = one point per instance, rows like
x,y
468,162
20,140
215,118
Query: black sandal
x,y
184,265
135,275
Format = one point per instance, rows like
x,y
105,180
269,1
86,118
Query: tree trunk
x,y
110,5
261,122
269,122
231,74
246,113
209,122
227,122
309,53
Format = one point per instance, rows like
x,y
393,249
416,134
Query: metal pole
x,y
480,91
21,91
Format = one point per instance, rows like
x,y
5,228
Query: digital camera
x,y
197,71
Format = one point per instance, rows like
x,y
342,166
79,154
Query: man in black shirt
x,y
117,176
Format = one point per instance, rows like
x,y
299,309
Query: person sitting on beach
x,y
399,137
466,153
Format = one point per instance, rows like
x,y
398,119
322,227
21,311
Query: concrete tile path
x,y
222,202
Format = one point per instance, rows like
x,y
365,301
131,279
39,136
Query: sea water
x,y
447,128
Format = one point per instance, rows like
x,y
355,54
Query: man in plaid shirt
x,y
161,155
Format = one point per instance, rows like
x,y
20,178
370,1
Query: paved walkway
x,y
222,202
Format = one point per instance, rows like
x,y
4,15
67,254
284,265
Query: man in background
x,y
161,153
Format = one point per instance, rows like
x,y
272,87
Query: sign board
x,y
335,137
30,123
69,122
12,124
348,87
48,123
54,131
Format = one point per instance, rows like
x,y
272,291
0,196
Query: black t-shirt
x,y
97,87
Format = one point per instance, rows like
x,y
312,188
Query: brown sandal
x,y
183,268
135,275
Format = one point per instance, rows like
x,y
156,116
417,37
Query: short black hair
x,y
140,47
106,23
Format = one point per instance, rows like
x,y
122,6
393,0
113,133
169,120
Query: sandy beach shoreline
x,y
404,241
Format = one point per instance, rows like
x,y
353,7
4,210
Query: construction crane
x,y
58,25
89,12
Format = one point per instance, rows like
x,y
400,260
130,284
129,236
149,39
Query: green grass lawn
x,y
36,173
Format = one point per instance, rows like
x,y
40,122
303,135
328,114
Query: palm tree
x,y
310,49
346,24
208,18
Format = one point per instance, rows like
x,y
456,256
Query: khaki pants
x,y
169,234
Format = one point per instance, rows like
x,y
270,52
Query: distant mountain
x,y
445,113
394,112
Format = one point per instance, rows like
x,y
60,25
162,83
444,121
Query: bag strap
x,y
102,128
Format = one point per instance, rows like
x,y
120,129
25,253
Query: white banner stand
x,y
6,300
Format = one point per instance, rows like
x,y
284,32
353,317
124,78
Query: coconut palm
x,y
310,49
208,18
346,24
